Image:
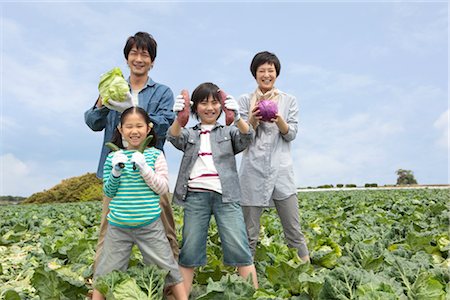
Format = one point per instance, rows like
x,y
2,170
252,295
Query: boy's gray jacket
x,y
226,142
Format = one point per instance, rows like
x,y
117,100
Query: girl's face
x,y
134,130
208,110
266,75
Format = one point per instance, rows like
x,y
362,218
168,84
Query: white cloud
x,y
47,131
25,177
17,176
419,32
442,124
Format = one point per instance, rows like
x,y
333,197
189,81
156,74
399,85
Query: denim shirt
x,y
226,142
157,99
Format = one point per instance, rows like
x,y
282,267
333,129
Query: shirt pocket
x,y
225,145
191,147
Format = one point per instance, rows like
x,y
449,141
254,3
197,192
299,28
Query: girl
x,y
208,183
266,166
134,211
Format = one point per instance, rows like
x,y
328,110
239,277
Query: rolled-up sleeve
x,y
96,118
241,140
292,121
163,116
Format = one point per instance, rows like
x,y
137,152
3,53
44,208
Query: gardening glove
x,y
231,104
138,159
120,106
118,162
179,104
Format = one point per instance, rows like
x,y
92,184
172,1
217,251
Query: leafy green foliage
x,y
139,282
229,287
363,244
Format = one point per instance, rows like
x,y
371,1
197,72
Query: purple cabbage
x,y
267,109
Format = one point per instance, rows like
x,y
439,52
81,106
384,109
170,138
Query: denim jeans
x,y
199,206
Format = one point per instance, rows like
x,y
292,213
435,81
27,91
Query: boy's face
x,y
266,75
208,110
139,61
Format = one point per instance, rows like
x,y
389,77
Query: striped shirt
x,y
204,174
134,203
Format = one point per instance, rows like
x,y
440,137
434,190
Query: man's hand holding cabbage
x,y
114,91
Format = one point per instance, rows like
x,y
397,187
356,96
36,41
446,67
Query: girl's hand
x,y
138,159
119,159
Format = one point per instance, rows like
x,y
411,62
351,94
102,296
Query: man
x,y
157,100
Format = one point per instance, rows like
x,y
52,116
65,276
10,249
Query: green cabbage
x,y
113,86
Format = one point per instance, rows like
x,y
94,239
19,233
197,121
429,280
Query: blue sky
x,y
371,81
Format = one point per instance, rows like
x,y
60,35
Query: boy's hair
x,y
203,91
262,58
117,137
142,40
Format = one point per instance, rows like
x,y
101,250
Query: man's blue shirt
x,y
157,99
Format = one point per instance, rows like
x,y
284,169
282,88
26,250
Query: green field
x,y
364,245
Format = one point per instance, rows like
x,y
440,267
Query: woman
x,y
266,173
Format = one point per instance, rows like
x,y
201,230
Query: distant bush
x,y
325,186
351,185
82,188
370,185
339,185
11,199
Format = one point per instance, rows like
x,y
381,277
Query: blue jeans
x,y
199,206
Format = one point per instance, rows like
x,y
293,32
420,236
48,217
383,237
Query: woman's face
x,y
266,75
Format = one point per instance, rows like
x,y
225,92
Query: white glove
x,y
231,104
179,104
138,159
119,158
120,106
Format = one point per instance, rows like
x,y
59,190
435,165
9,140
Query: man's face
x,y
139,61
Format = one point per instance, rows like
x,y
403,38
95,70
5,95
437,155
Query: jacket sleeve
x,y
180,141
96,117
163,116
241,140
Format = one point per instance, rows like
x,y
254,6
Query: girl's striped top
x,y
134,203
204,176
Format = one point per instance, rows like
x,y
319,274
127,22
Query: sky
x,y
370,78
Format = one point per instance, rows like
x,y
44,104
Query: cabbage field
x,y
372,244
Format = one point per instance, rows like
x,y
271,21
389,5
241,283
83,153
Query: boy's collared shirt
x,y
226,142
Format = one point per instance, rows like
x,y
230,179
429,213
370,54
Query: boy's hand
x,y
231,104
119,158
138,159
179,104
120,106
